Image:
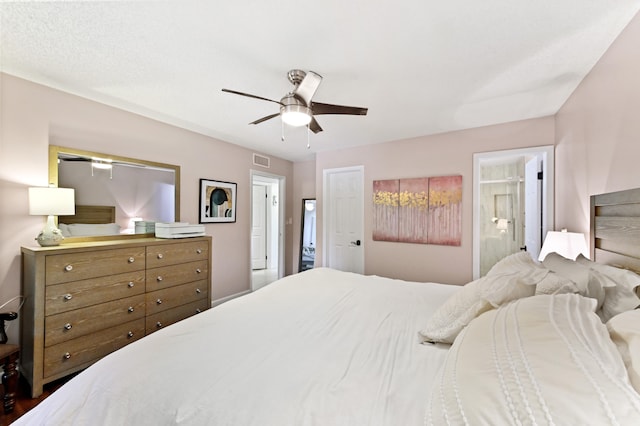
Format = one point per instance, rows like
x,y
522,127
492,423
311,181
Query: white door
x,y
344,219
533,208
259,228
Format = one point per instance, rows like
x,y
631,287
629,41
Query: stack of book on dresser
x,y
178,230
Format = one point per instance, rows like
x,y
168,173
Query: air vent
x,y
261,160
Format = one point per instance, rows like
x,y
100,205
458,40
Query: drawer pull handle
x,y
68,268
130,334
158,324
68,296
160,255
159,302
67,326
199,251
198,311
198,271
130,309
159,278
131,260
66,355
198,291
131,284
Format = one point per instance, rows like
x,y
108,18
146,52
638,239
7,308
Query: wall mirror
x,y
116,197
308,235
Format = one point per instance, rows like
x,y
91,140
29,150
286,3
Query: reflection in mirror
x,y
308,235
115,196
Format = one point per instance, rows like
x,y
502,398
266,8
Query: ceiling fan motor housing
x,y
296,76
294,111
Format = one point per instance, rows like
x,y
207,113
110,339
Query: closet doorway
x,y
512,203
267,228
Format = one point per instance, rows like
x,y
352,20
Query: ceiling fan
x,y
297,108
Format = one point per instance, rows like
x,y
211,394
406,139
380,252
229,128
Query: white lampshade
x,y
566,244
51,201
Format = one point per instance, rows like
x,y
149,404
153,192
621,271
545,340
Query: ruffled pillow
x,y
514,263
477,297
620,292
588,283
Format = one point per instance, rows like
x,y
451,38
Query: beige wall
x,y
304,186
598,132
438,155
33,116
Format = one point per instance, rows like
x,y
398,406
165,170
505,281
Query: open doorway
x,y
512,203
267,225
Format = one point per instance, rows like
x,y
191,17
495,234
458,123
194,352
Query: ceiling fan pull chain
x,y
282,123
308,131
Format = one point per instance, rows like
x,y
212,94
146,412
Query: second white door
x,y
343,213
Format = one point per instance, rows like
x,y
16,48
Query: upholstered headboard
x,y
91,215
615,228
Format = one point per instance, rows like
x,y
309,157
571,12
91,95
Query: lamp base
x,y
50,235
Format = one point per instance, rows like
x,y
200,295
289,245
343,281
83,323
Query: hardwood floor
x,y
24,402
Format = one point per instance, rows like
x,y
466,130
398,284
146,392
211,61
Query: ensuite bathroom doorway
x,y
512,204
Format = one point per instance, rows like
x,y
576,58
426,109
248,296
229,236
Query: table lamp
x,y
566,244
51,202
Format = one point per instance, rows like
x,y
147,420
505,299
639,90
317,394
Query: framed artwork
x,y
217,201
418,210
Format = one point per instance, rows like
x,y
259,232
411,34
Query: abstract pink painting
x,y
418,210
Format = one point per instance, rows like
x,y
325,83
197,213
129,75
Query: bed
x,y
555,342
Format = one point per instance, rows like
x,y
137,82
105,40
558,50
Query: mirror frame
x,y
54,150
304,201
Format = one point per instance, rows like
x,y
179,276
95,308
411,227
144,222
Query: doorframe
x,y
548,185
326,204
281,181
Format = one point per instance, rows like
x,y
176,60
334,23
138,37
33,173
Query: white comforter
x,y
318,348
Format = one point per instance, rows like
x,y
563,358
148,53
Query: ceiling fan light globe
x,y
296,115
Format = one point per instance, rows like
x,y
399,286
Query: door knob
x,y
356,243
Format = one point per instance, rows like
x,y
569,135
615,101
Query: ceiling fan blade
x,y
268,117
308,86
320,108
250,96
314,126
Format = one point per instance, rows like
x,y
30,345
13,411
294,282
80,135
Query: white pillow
x,y
89,229
588,283
64,229
539,360
624,330
554,283
516,262
475,298
620,293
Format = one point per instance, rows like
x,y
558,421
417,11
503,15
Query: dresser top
x,y
114,243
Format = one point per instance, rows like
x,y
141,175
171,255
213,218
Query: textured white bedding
x,y
318,348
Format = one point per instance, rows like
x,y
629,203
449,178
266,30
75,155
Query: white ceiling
x,y
420,66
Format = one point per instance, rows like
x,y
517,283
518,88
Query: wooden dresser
x,y
85,300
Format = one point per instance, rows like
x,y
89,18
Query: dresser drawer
x,y
162,319
171,254
171,297
70,325
78,294
64,268
168,276
87,349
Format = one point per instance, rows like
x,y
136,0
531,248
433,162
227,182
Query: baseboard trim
x,y
226,299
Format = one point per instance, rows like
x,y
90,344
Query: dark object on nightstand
x,y
8,358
